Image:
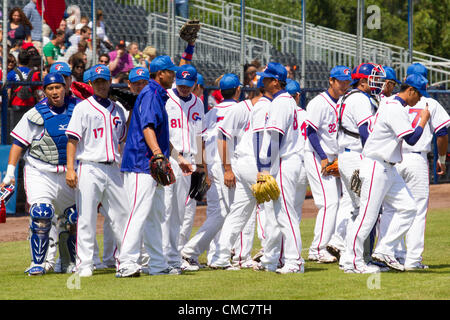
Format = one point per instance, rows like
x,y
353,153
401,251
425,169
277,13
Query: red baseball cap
x,y
26,45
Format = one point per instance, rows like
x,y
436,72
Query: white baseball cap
x,y
79,26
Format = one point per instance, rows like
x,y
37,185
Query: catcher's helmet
x,y
374,73
53,77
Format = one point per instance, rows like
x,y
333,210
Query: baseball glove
x,y
355,183
81,90
332,168
198,186
125,97
189,30
265,189
161,170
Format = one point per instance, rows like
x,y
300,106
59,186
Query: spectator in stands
x,y
19,27
12,62
21,98
67,33
120,60
78,68
52,50
80,47
74,16
250,81
35,19
75,37
103,41
149,54
103,59
14,50
77,56
136,55
121,77
182,8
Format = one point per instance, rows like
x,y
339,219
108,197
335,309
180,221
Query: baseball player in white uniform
x,y
186,112
239,224
219,196
97,127
40,133
282,138
320,150
381,183
355,109
414,170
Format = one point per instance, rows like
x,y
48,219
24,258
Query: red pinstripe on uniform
x,y
324,206
362,220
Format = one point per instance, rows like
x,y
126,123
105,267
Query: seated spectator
x,y
103,59
19,27
78,68
81,47
35,19
136,55
149,54
75,37
77,56
52,50
120,60
74,16
103,41
12,62
121,77
21,98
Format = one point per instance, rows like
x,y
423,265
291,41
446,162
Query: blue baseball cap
x,y
100,71
417,68
87,75
186,76
390,74
139,73
260,83
274,70
419,82
200,80
292,86
229,81
53,77
61,68
162,63
342,73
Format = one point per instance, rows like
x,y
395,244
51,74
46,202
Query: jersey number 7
x,y
417,117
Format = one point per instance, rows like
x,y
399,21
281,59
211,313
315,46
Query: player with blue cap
x,y
293,88
419,83
63,69
390,81
138,78
417,68
200,87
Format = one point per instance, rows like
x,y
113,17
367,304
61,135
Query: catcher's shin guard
x,y
68,237
41,215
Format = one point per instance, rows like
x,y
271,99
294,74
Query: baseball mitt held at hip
x,y
265,189
161,170
332,168
198,186
189,30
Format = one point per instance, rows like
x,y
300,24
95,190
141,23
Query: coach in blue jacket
x,y
148,135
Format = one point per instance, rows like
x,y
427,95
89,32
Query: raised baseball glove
x,y
265,189
161,170
189,30
198,186
332,168
125,97
355,183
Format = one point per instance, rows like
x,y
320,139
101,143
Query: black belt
x,y
107,163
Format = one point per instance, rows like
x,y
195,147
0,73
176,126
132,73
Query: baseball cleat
x,y
388,260
418,266
84,273
128,273
245,264
313,257
364,269
168,271
257,257
259,267
193,262
35,271
287,269
326,258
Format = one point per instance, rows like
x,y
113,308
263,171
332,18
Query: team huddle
x,y
258,156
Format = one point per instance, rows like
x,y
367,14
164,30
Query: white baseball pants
x,y
188,223
326,193
283,217
175,199
242,208
98,183
219,198
414,171
146,200
381,183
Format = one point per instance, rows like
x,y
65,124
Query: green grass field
x,y
319,281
